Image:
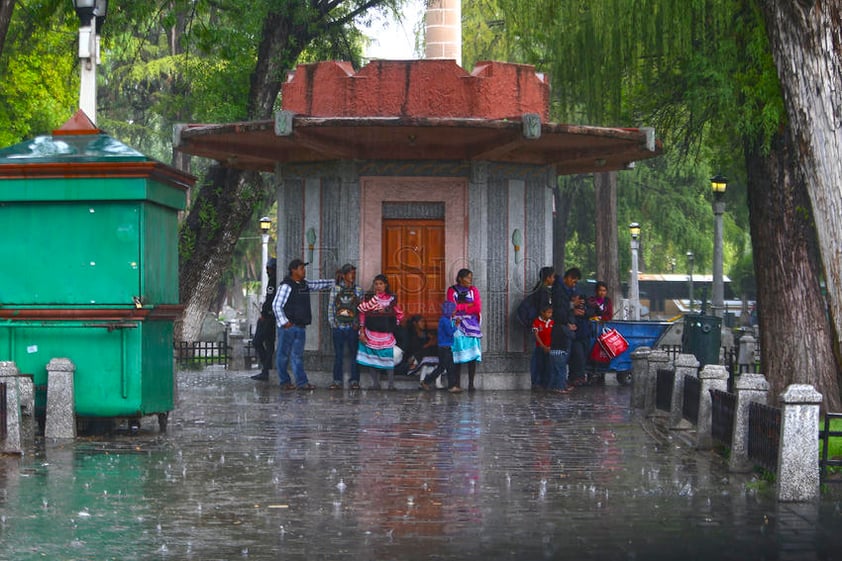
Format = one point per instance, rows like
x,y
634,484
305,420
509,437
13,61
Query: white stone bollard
x,y
712,377
9,375
798,453
61,410
640,371
658,360
745,356
750,388
685,364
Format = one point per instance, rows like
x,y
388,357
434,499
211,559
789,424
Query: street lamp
x,y
718,184
91,15
265,226
690,278
634,292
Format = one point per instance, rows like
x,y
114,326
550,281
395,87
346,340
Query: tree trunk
x,y
225,203
795,335
223,207
607,258
6,9
807,48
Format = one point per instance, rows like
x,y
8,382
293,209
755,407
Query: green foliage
x,y
36,92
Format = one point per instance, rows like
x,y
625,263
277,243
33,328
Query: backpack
x,y
526,311
345,304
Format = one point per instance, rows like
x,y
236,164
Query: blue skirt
x,y
466,349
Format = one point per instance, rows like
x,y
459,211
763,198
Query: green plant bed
x,y
834,443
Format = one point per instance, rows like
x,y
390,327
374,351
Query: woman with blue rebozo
x,y
467,344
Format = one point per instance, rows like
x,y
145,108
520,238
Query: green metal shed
x,y
89,253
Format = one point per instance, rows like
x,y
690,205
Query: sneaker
x,y
455,389
355,385
307,387
262,377
335,386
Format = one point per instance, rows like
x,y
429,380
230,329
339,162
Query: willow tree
x,y
701,71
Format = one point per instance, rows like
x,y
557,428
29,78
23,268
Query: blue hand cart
x,y
638,334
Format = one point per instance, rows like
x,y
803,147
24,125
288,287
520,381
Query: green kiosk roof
x,y
80,149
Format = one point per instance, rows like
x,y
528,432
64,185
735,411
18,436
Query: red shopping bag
x,y
612,342
598,354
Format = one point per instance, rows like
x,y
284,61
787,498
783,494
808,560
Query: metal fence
x,y
764,434
3,426
723,408
690,400
202,353
663,389
825,436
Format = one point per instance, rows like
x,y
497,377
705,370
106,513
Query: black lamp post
x,y
265,226
634,292
690,278
718,184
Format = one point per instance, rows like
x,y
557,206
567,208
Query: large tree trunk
x,y
223,207
807,48
607,259
795,335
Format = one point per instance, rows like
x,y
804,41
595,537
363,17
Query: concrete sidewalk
x,y
247,471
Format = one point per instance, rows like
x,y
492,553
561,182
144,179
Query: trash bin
x,y
702,338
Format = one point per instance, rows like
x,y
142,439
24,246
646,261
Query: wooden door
x,y
413,261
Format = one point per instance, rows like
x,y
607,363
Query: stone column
x,y
61,411
9,375
745,356
749,388
685,364
237,359
798,454
658,360
712,377
640,371
26,398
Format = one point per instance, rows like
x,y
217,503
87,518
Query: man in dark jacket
x,y
292,316
264,334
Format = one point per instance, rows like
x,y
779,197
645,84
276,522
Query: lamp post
x,y
634,292
690,278
265,226
91,15
718,184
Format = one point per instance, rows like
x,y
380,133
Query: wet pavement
x,y
246,471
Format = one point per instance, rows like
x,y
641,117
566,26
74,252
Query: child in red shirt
x,y
542,328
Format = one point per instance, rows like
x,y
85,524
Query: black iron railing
x,y
764,434
672,350
723,408
663,389
190,354
3,426
690,400
825,436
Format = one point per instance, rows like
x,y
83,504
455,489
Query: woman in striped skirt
x,y
379,318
